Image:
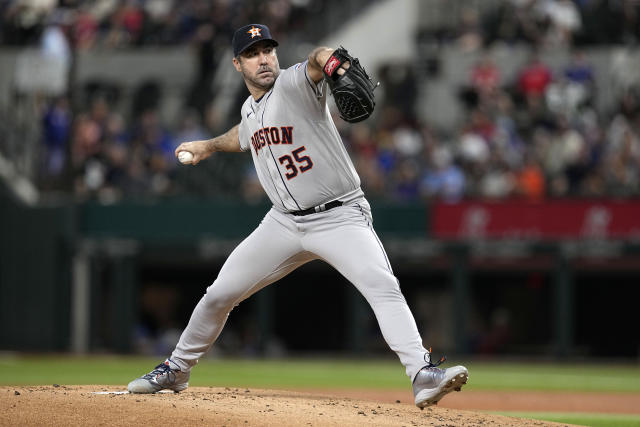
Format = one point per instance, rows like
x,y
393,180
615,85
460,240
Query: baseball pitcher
x,y
319,210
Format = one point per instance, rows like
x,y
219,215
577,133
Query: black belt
x,y
319,208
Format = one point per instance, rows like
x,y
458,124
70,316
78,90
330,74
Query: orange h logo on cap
x,y
255,32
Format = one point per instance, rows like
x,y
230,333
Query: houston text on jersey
x,y
272,136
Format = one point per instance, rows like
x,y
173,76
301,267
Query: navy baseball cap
x,y
248,35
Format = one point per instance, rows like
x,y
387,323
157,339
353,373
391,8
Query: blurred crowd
x,y
128,23
546,23
110,24
536,136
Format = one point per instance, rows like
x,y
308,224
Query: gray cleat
x,y
431,384
166,375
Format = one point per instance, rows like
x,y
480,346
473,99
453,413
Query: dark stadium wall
x,y
496,297
35,278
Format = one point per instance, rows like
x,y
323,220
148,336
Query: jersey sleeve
x,y
243,134
296,80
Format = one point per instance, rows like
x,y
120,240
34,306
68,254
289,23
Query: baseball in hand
x,y
185,157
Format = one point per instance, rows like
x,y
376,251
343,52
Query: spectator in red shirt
x,y
534,77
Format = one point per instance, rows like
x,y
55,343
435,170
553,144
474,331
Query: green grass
x,y
239,373
583,419
558,377
316,373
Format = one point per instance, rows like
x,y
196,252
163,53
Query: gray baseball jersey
x,y
297,151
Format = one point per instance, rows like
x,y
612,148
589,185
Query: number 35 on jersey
x,y
299,162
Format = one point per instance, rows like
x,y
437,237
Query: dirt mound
x,y
79,405
512,400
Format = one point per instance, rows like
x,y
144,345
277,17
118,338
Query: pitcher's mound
x,y
80,405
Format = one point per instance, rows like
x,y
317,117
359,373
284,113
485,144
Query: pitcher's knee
x,y
382,281
221,299
381,288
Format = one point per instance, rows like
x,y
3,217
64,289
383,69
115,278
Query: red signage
x,y
544,220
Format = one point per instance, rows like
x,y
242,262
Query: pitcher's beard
x,y
263,83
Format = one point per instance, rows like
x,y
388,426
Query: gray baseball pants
x,y
343,237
